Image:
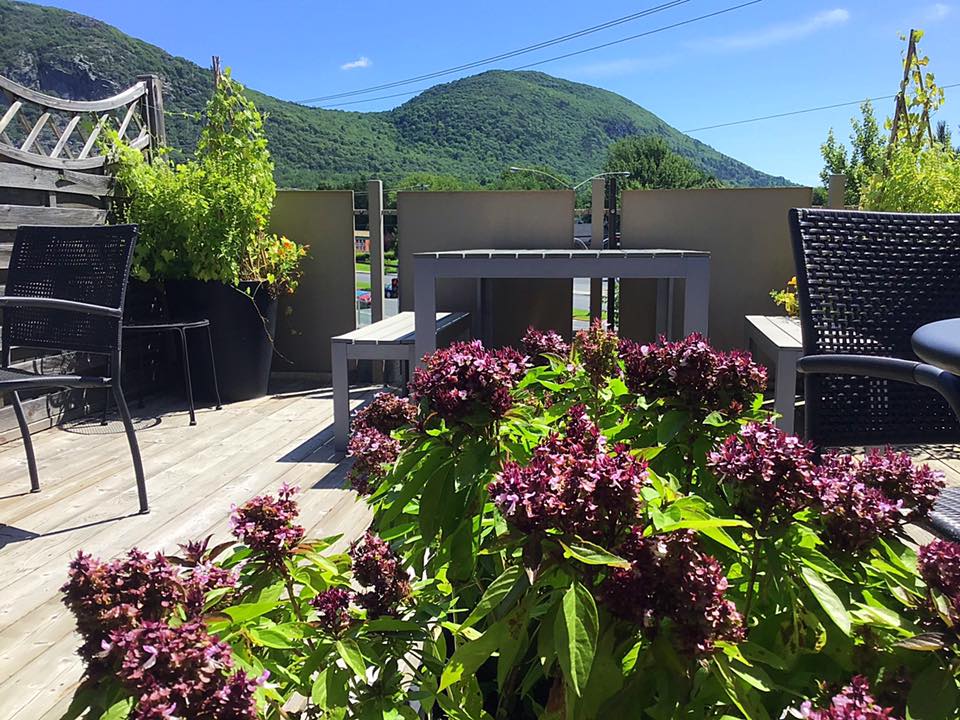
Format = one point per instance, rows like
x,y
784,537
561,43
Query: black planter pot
x,y
243,322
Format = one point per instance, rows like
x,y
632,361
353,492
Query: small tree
x,y
652,165
864,159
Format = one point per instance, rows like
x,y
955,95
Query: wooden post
x,y
836,192
597,209
153,109
901,102
375,216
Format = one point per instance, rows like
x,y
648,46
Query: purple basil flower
x,y
331,606
939,565
466,379
693,374
670,578
204,577
854,702
181,672
573,483
537,343
917,488
266,525
854,513
769,474
118,595
385,413
597,350
377,567
373,453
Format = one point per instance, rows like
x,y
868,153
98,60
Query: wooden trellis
x,y
53,172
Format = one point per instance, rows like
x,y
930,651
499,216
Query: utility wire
x,y
802,112
504,56
663,28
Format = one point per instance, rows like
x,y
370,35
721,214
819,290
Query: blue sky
x,y
770,57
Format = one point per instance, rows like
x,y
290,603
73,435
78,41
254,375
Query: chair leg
x,y
27,443
213,369
186,375
134,447
106,399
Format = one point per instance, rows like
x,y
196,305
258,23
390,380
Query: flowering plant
x,y
617,531
787,298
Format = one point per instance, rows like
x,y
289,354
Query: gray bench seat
x,y
392,338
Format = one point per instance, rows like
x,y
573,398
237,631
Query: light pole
x,y
564,183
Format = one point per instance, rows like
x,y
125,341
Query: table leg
x,y
341,396
424,308
785,390
696,296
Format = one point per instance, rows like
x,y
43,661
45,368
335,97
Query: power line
x,y
663,28
504,56
802,112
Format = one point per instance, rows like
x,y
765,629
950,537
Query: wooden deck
x,y
89,501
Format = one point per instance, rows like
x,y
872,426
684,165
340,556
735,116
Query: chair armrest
x,y
58,304
869,365
907,371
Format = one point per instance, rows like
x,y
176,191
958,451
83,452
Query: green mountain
x,y
472,128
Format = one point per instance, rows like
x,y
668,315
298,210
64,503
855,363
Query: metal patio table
x,y
692,266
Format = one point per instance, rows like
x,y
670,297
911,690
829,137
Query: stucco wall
x,y
435,221
324,305
745,231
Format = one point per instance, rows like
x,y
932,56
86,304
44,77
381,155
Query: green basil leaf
x,y
471,655
575,634
828,599
349,651
494,594
590,554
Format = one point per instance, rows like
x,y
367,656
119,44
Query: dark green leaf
x,y
349,651
933,695
575,635
828,599
591,554
494,594
471,655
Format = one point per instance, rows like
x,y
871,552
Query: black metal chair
x,y
149,314
866,282
65,291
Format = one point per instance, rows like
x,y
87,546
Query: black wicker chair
x,y
866,282
65,291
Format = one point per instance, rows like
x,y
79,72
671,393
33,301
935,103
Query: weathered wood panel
x,y
25,177
12,216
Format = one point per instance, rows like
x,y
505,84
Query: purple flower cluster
x,y
181,672
572,484
266,524
770,475
118,595
386,412
670,578
537,343
693,373
899,479
331,606
597,349
939,565
854,702
853,512
467,379
373,451
375,566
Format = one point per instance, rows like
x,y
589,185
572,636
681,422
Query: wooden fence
x,y
53,172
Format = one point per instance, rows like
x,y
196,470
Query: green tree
x,y
864,158
536,177
653,165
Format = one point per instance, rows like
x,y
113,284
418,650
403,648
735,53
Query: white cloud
x,y
624,66
361,62
936,12
777,34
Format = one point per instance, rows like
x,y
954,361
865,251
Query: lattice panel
x,y
52,132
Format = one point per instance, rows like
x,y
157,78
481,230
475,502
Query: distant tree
x,y
864,158
652,164
433,182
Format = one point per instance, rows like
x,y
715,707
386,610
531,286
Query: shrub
x,y
555,542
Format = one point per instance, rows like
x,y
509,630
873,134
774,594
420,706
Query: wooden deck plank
x,y
194,475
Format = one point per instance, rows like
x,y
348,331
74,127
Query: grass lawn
x,y
387,267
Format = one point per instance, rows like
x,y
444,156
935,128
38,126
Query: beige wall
x,y
745,231
435,221
324,304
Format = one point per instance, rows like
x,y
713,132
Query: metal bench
x,y
779,339
389,339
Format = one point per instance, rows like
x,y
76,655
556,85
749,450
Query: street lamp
x,y
560,181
